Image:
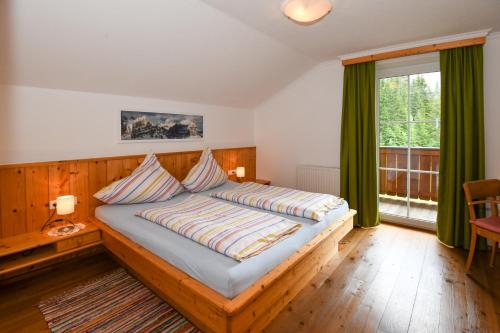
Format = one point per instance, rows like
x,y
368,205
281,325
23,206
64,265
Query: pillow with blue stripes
x,y
206,174
149,182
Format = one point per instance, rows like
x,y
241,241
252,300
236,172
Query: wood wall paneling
x,y
219,157
13,202
58,181
252,162
129,165
114,170
37,197
169,162
79,186
187,161
97,179
25,189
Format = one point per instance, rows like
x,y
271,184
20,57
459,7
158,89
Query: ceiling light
x,y
306,11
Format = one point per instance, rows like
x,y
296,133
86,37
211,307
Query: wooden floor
x,y
389,279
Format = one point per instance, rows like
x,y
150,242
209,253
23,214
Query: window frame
x,y
404,67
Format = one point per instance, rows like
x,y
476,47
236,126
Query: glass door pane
x,y
424,131
409,134
393,141
393,99
425,97
393,170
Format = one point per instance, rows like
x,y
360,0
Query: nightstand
x,y
29,251
262,181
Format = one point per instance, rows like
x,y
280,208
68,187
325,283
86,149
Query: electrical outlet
x,y
52,204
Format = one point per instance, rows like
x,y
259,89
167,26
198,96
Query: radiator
x,y
319,179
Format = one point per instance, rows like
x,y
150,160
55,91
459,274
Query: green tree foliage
x,y
393,106
398,100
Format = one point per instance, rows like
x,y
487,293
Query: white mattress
x,y
223,274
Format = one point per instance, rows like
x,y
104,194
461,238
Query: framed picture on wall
x,y
140,126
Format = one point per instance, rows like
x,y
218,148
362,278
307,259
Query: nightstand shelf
x,y
28,250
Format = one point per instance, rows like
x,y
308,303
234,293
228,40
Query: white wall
x,y
492,105
300,125
43,124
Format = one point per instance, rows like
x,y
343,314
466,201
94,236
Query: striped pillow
x,y
206,174
148,183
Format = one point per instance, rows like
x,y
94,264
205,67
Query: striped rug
x,y
114,303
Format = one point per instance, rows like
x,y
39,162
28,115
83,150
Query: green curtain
x,y
358,152
462,140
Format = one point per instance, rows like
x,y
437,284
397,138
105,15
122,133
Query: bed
x,y
215,292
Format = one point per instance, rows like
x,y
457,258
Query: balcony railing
x,y
424,167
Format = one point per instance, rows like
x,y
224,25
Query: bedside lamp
x,y
240,173
65,205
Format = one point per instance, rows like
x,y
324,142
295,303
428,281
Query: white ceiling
x,y
223,52
356,25
177,49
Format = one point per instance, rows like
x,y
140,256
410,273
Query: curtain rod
x,y
415,50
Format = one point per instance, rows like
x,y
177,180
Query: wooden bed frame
x,y
251,310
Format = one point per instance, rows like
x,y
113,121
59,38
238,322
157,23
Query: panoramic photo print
x,y
137,125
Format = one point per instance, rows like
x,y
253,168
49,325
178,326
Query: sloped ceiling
x,y
357,25
224,52
176,49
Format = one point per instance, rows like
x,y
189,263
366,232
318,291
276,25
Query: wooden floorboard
x,y
398,280
388,279
426,307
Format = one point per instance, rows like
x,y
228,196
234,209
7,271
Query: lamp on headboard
x,y
240,173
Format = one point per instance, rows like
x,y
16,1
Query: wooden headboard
x,y
25,189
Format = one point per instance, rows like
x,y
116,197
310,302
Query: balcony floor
x,y
419,209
